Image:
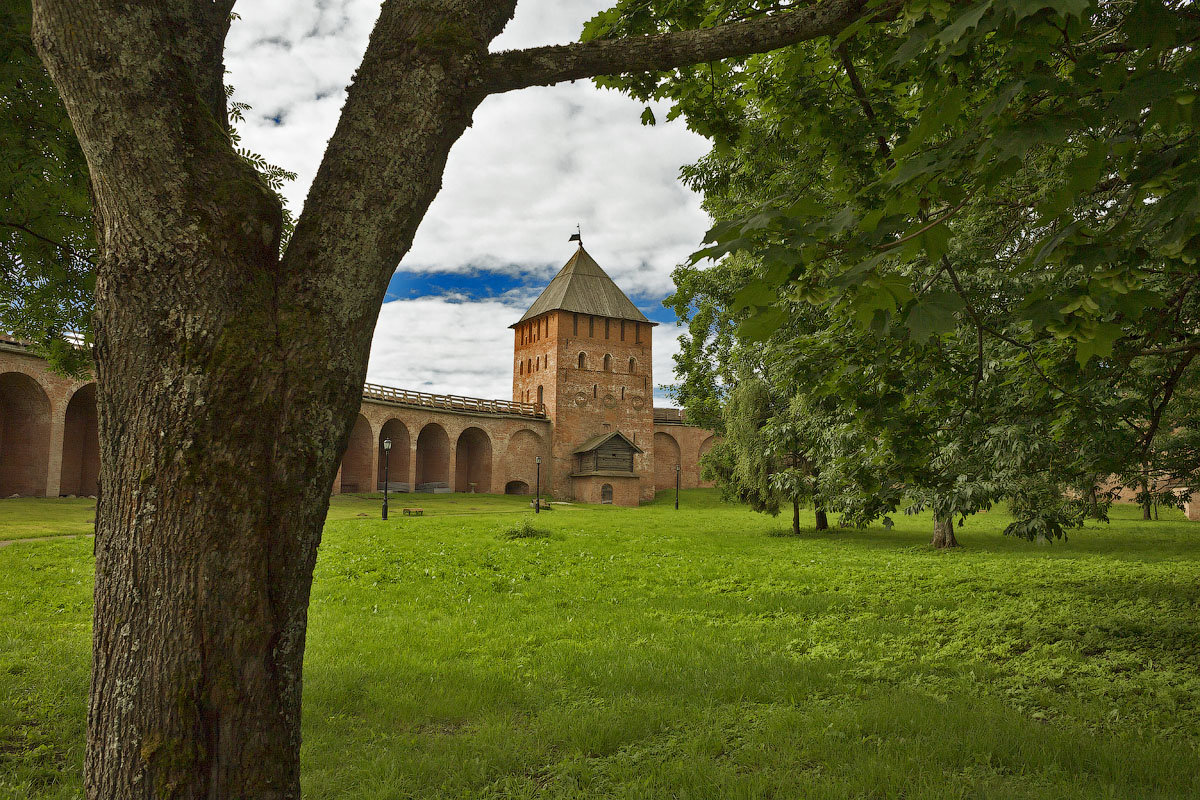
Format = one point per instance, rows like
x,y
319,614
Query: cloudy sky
x,y
534,164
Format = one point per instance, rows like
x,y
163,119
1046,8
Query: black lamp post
x,y
387,451
676,487
537,491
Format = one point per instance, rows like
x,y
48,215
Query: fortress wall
x,y
36,417
682,444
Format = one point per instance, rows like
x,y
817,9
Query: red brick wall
x,y
591,400
693,443
33,428
589,489
53,447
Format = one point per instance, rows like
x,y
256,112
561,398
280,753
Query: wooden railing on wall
x,y
451,402
670,415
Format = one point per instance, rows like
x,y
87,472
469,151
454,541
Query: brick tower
x,y
583,349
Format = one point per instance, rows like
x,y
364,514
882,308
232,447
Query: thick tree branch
x,y
542,66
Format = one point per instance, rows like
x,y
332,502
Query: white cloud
x,y
533,164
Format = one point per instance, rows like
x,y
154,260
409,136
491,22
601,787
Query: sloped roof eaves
x,y
584,287
600,438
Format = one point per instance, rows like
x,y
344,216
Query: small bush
x,y
526,530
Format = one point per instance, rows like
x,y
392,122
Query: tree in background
x,y
999,194
47,246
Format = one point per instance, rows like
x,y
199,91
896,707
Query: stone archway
x,y
516,487
397,466
24,436
666,456
433,458
473,461
81,445
358,467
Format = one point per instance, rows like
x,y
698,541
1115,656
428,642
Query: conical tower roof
x,y
582,286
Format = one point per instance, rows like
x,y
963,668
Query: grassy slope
x,y
648,653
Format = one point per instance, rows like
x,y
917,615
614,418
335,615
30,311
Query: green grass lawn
x,y
648,653
34,517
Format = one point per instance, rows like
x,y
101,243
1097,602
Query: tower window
x,y
529,365
537,363
583,361
606,321
520,367
637,333
539,395
632,365
622,330
594,390
591,325
576,317
607,362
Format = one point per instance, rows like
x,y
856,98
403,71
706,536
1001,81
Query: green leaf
x,y
1100,343
964,22
761,323
932,314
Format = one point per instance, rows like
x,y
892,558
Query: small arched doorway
x,y
81,445
606,493
24,436
473,461
516,487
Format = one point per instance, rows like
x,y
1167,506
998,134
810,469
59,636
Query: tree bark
x,y
796,517
943,532
228,377
822,519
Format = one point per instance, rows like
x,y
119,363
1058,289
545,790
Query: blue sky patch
x,y
483,284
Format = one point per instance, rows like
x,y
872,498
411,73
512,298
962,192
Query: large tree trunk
x,y
943,532
228,378
795,517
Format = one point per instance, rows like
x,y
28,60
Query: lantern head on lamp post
x,y
387,451
677,487
537,490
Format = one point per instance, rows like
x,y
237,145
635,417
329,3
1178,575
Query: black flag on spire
x,y
577,236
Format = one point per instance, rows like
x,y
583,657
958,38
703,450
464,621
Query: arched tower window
x,y
583,360
632,365
607,362
540,396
